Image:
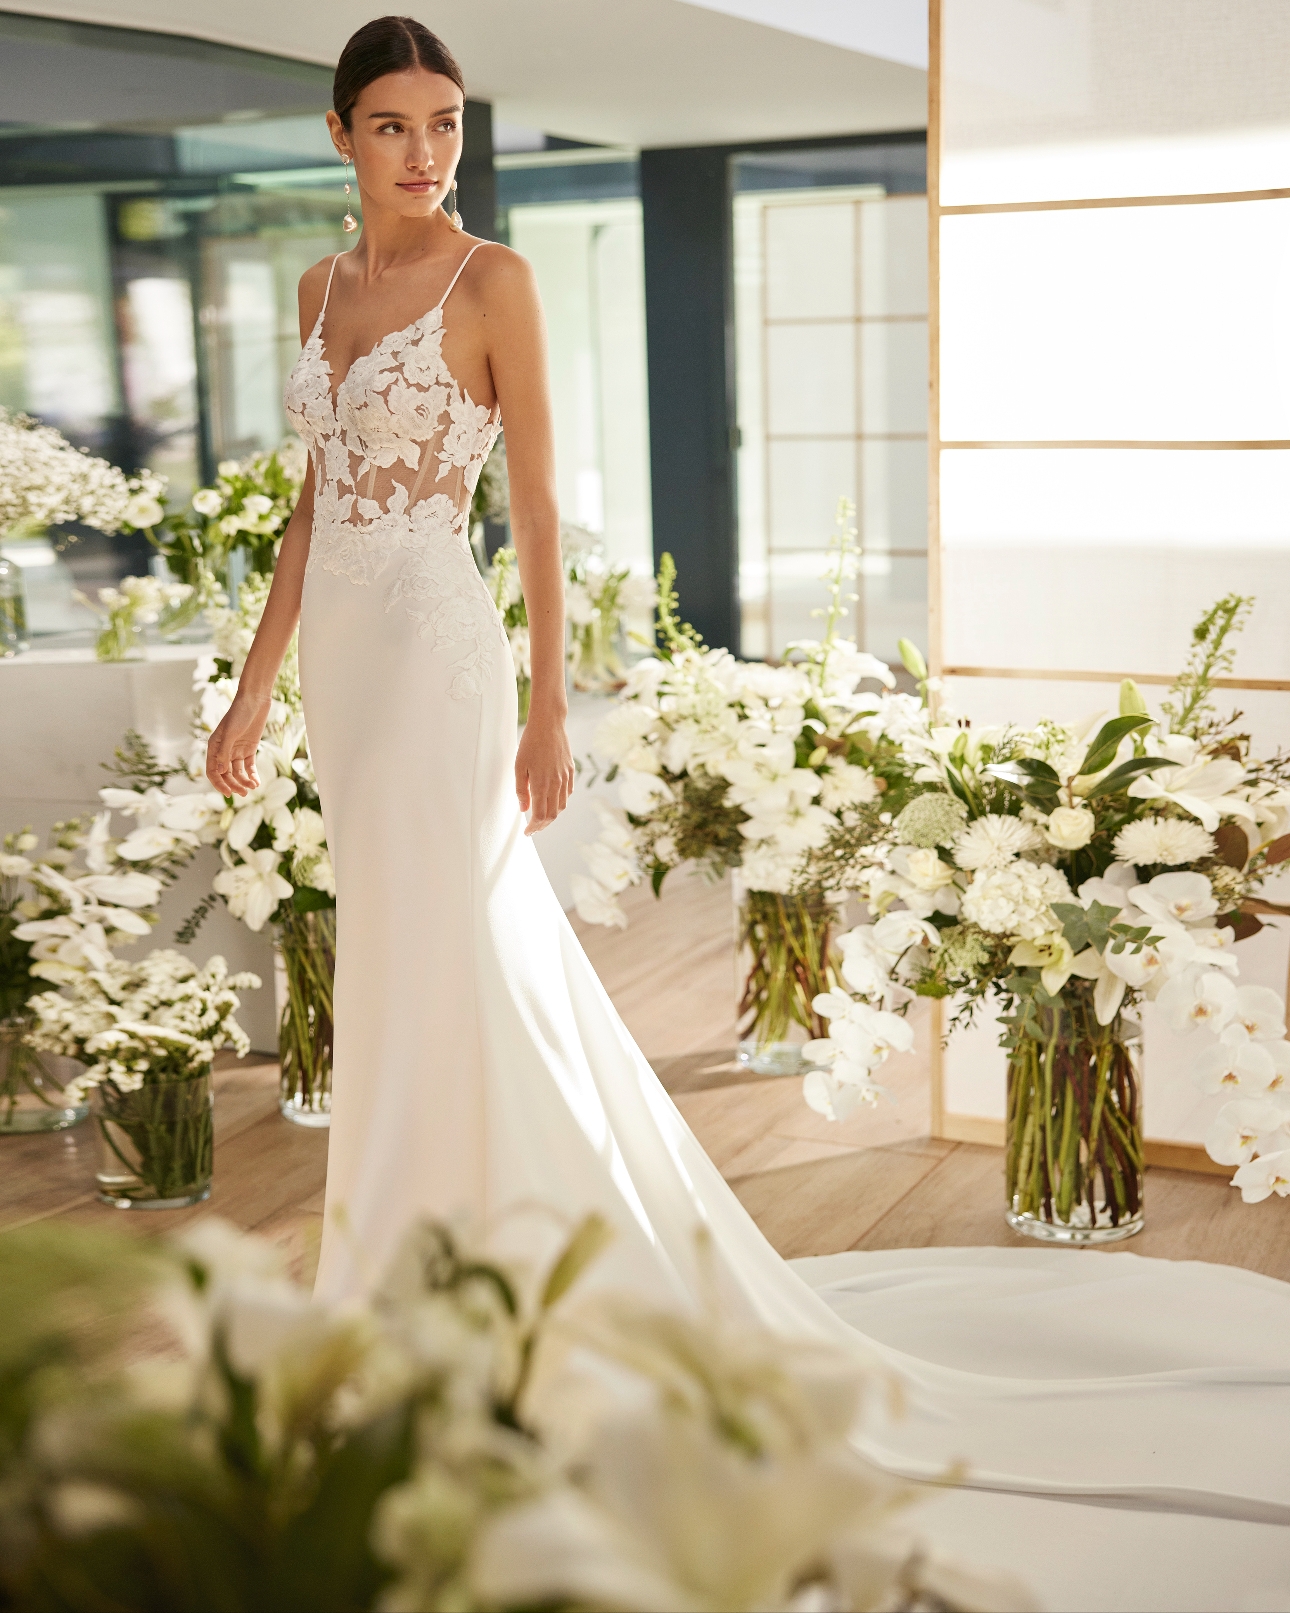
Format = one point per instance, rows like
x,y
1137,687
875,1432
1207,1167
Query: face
x,y
404,138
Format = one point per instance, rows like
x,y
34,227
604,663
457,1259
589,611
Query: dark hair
x,y
388,45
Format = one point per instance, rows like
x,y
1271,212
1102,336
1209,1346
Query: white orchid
x,y
1182,898
1246,1127
1261,1177
594,904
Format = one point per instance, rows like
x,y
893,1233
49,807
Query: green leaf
x,y
1121,777
1101,753
1074,924
324,1557
931,988
1101,918
657,875
1036,789
305,899
592,1235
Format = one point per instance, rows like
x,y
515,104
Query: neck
x,y
391,241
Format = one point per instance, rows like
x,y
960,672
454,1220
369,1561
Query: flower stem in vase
x,y
31,1098
157,1142
786,942
307,947
1073,1160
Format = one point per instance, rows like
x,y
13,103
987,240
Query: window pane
x,y
893,501
806,481
894,377
811,378
810,260
893,256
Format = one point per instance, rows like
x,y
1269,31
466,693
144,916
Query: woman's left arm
x,y
516,342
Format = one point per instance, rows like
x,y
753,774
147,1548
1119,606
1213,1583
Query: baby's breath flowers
x,y
44,482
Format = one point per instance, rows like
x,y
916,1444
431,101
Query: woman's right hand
x,y
230,752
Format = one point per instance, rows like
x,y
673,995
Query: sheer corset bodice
x,y
396,452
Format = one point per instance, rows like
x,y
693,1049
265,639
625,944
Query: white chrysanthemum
x,y
844,785
1015,900
993,841
1169,842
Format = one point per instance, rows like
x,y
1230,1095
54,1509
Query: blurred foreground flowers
x,y
477,1437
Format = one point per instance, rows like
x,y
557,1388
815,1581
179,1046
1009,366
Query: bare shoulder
x,y
312,290
503,281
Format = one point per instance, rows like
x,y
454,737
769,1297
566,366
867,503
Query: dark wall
x,y
476,182
685,207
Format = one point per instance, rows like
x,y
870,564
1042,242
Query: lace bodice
x,y
396,453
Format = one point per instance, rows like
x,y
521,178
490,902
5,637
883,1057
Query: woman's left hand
x,y
543,771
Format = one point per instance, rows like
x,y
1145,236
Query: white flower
x,y
142,510
596,905
131,889
1246,1127
1016,900
267,804
613,868
1069,828
1167,842
993,841
12,866
926,869
207,501
1269,1173
640,793
1200,784
845,785
1184,898
253,888
1191,999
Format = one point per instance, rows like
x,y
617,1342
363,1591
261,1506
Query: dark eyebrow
x,y
403,117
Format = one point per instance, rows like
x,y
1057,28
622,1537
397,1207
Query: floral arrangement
x,y
45,482
1071,877
58,920
747,766
598,601
243,512
134,1024
137,603
480,1436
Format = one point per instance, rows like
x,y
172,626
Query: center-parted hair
x,y
388,45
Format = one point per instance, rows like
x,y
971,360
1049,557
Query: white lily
x,y
131,888
99,850
253,888
1201,785
267,804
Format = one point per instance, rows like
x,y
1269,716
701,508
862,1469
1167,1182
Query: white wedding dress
x,y
479,1063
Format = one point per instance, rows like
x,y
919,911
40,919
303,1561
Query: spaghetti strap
x,y
327,293
460,267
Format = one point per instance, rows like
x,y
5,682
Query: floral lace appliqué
x,y
398,428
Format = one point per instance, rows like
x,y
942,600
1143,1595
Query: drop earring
x,y
454,218
349,223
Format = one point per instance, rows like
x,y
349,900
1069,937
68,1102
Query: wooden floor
x,y
875,1181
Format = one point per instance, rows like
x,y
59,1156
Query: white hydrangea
x,y
1167,841
1016,899
993,841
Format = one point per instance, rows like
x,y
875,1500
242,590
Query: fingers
x,y
522,786
232,773
549,797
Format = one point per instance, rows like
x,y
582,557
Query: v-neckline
x,y
375,348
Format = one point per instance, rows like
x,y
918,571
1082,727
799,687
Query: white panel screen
x,y
1049,99
1136,323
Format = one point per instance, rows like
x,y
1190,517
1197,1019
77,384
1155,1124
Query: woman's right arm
x,y
230,754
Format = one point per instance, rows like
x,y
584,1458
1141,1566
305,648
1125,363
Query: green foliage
x,y
671,633
136,766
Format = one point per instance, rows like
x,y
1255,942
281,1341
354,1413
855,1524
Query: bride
x,y
479,1063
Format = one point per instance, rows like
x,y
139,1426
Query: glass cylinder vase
x,y
156,1142
307,967
596,664
31,1084
783,945
1073,1155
